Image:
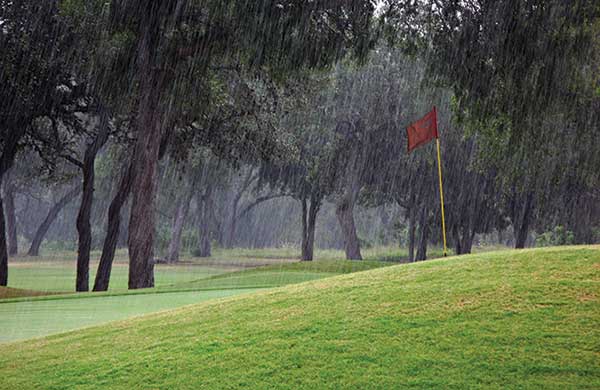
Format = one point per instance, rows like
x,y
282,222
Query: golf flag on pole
x,y
420,133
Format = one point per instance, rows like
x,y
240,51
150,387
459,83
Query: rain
x,y
208,157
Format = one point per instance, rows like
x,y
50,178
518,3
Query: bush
x,y
558,236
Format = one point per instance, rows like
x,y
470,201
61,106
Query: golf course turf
x,y
507,319
29,313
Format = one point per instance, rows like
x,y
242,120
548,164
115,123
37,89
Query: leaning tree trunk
x,y
345,214
248,179
11,218
522,229
112,232
34,249
309,222
84,227
183,208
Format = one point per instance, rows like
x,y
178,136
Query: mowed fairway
x,y
510,319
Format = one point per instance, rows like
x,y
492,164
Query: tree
x,y
36,83
517,69
11,219
87,199
34,249
152,23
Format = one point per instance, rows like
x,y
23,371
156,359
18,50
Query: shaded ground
x,y
8,292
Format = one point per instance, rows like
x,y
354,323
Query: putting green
x,y
26,319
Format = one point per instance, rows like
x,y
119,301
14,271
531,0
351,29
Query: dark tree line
x,y
206,112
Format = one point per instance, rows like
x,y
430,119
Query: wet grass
x,y
28,313
34,318
54,271
13,293
511,319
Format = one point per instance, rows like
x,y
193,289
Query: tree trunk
x,y
309,222
304,243
11,218
7,158
147,126
231,229
412,228
84,227
112,232
522,229
204,204
142,219
467,240
457,240
34,249
423,235
3,248
345,214
183,208
248,179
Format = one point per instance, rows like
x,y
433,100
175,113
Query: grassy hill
x,y
510,319
25,313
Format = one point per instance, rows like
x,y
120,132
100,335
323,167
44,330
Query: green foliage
x,y
557,236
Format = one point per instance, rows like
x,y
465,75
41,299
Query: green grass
x,y
54,271
24,313
59,276
22,320
284,274
376,253
510,319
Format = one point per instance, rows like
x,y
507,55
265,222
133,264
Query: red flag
x,y
422,131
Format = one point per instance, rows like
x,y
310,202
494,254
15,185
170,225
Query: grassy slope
x,y
22,318
526,319
284,274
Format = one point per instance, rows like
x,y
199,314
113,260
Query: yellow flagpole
x,y
439,158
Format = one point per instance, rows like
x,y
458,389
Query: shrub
x,y
557,236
